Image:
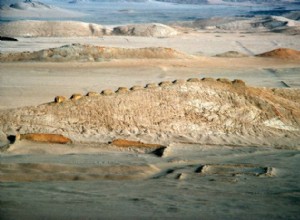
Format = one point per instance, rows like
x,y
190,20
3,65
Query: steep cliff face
x,y
203,111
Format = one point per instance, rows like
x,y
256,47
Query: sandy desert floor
x,y
114,184
33,83
190,180
25,84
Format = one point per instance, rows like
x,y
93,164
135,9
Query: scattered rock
x,y
122,90
59,99
179,81
92,94
194,80
208,79
165,84
107,92
76,96
224,80
151,86
136,88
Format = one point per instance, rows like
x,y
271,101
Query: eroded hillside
x,y
201,111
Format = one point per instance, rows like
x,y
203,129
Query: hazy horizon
x,y
139,11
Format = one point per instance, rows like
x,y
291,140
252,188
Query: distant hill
x,y
35,9
228,1
185,1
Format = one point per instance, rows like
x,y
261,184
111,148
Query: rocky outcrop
x,y
268,23
145,30
78,52
248,25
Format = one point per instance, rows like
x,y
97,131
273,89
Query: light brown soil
x,y
78,52
282,53
137,144
48,138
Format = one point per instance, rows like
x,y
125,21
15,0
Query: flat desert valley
x,y
150,121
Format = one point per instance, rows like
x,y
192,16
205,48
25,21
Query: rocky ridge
x,y
79,52
203,111
34,28
145,30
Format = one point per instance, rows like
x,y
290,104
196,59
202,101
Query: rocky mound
x,y
78,52
282,53
269,23
243,24
197,111
211,23
231,54
145,30
294,15
50,29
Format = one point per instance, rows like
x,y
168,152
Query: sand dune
x,y
282,53
92,53
32,28
196,110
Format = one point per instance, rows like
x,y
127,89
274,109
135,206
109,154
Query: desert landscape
x,y
149,109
